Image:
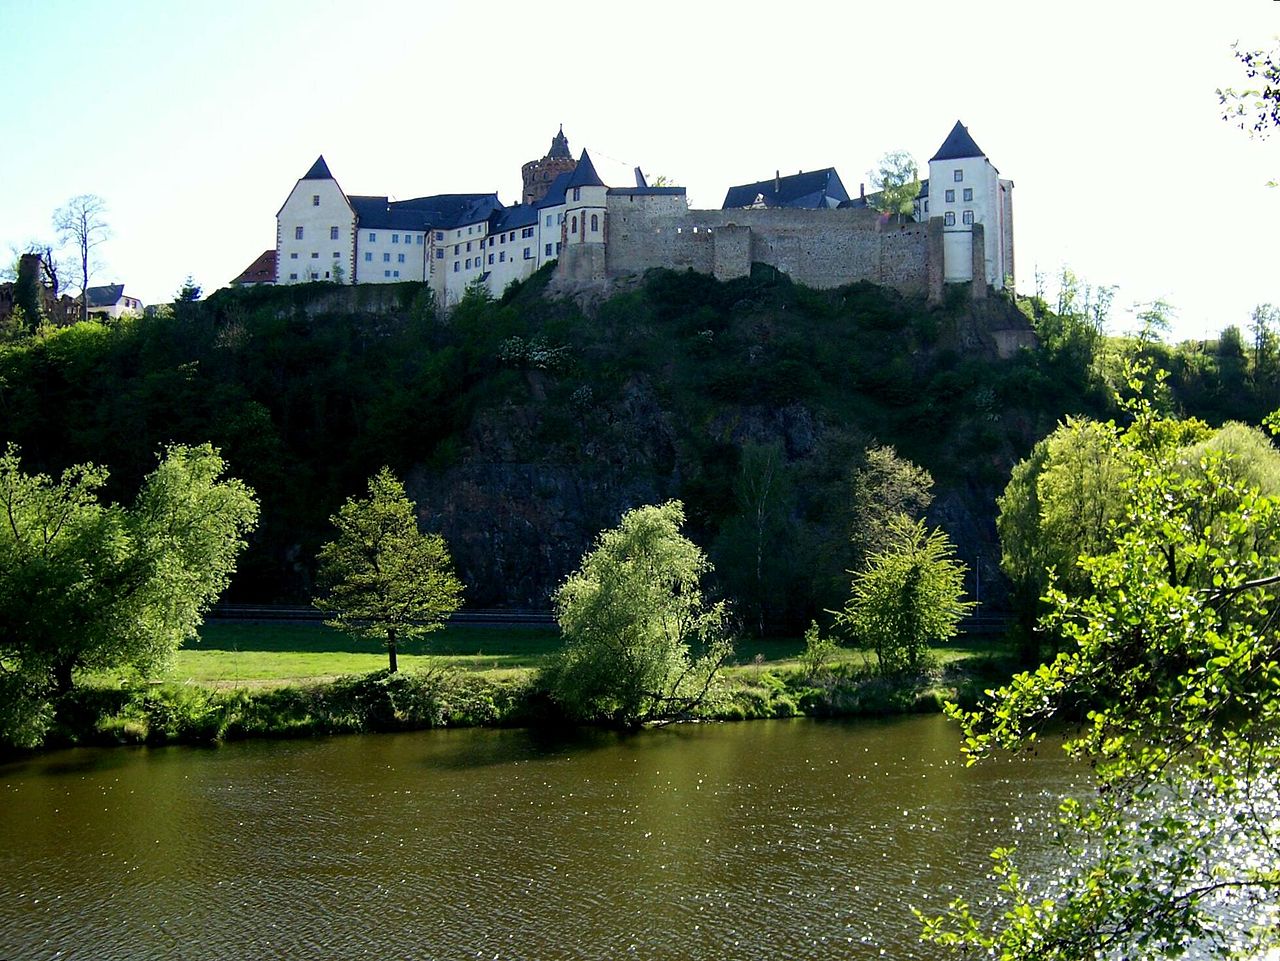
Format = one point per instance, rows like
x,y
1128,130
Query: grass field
x,y
269,654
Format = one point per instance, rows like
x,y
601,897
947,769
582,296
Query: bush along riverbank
x,y
449,698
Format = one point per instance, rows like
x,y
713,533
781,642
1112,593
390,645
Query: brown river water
x,y
767,839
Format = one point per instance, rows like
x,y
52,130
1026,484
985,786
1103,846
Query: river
x,y
769,839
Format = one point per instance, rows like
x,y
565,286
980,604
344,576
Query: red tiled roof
x,y
261,271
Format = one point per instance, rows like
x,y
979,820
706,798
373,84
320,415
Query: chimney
x,y
777,181
862,190
640,181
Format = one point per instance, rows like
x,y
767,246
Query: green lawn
x,y
259,655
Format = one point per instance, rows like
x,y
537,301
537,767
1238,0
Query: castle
x,y
805,225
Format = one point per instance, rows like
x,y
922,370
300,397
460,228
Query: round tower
x,y
538,174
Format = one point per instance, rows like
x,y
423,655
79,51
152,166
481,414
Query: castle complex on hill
x,y
805,225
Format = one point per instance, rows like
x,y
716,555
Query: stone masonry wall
x,y
818,248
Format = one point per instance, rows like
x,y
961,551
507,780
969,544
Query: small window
x,y
315,255
502,256
439,235
949,218
468,231
967,217
293,276
548,251
386,273
950,196
968,193
297,233
439,254
548,220
326,275
577,193
468,263
456,250
573,225
368,257
491,260
395,273
395,238
294,255
455,266
399,258
419,238
315,276
315,200
386,258
372,237
528,253
959,174
333,233
926,206
558,248
468,246
595,224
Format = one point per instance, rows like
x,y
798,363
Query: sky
x,y
194,120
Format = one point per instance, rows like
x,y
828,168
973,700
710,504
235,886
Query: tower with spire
x,y
539,174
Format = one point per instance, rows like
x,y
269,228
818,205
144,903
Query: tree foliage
x,y
82,222
897,178
909,597
1175,649
88,586
382,578
642,643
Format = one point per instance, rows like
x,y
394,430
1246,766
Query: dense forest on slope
x,y
525,425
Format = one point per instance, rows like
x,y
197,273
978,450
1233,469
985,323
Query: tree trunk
x,y
391,650
62,680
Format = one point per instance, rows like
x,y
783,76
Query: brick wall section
x,y
979,262
818,248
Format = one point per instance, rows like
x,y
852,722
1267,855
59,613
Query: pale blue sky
x,y
193,120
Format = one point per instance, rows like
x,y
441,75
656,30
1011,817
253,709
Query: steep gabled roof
x,y
585,174
958,145
261,271
809,190
319,170
555,193
559,147
511,218
107,296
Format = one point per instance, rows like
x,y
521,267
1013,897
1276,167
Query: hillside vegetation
x,y
525,425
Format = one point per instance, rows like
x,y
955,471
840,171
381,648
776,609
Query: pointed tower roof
x,y
585,175
958,145
559,146
319,170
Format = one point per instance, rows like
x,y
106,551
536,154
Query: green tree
x,y
1175,648
87,586
642,643
909,597
189,292
382,577
897,178
884,486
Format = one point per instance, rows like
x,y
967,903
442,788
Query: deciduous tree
x,y
89,586
1175,649
82,223
642,643
897,178
907,598
382,577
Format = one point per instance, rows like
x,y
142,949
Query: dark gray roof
x,y
510,218
584,175
555,193
645,191
442,211
957,146
862,201
107,296
811,190
319,170
559,147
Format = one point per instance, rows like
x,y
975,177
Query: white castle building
x,y
453,240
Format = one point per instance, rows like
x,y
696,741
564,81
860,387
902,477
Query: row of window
x,y
395,238
951,195
386,258
315,255
949,218
297,233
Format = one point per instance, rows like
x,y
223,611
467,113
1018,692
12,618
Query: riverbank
x,y
450,697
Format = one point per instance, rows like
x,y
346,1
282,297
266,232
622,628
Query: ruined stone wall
x,y
818,248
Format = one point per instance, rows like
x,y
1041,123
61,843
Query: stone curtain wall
x,y
818,248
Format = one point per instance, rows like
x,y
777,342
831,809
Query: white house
x,y
964,189
110,301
